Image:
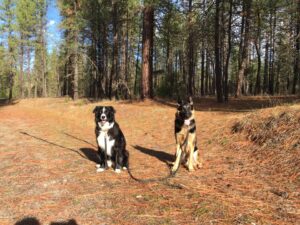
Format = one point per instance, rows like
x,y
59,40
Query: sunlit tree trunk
x,y
147,51
218,63
244,48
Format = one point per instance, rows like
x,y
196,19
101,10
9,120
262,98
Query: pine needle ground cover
x,y
250,176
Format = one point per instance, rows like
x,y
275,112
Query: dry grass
x,y
276,134
279,128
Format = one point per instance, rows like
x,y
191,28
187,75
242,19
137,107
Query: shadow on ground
x,y
86,151
91,154
160,155
5,102
34,221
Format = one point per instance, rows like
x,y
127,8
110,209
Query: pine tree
x,y
147,51
7,28
71,23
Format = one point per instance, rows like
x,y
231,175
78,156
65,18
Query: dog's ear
x,y
179,101
95,109
190,100
112,109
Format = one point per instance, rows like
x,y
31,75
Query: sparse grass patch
x,y
82,102
209,211
243,219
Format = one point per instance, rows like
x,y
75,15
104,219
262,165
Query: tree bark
x,y
257,43
29,72
297,53
190,51
257,83
244,50
22,68
228,53
272,54
266,67
114,73
75,57
202,69
218,70
147,52
137,62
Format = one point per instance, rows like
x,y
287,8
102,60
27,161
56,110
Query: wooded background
x,y
141,49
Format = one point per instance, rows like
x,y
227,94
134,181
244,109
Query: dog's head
x,y
185,108
104,114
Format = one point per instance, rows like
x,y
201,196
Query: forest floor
x,y
47,164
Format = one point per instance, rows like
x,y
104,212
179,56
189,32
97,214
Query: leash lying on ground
x,y
160,179
148,180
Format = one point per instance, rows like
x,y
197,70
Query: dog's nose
x,y
103,117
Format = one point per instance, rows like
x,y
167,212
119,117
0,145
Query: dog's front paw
x,y
100,169
191,169
98,165
174,169
199,165
117,170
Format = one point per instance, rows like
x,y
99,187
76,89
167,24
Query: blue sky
x,y
54,33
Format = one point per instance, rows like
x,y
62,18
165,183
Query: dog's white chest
x,y
102,138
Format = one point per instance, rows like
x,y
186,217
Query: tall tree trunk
x,y
206,89
297,53
257,43
272,54
22,68
228,53
202,69
169,52
147,52
114,66
257,83
76,76
266,67
44,66
123,56
244,50
203,58
75,57
29,72
218,63
127,78
169,68
191,57
137,62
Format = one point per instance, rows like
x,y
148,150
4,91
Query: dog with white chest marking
x,y
110,139
185,135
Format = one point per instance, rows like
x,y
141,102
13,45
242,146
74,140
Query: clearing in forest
x,y
250,171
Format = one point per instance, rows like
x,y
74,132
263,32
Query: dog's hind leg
x,y
121,159
197,164
178,158
191,157
125,160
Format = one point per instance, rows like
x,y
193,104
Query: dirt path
x,y
47,155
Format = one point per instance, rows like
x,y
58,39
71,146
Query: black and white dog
x,y
110,139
